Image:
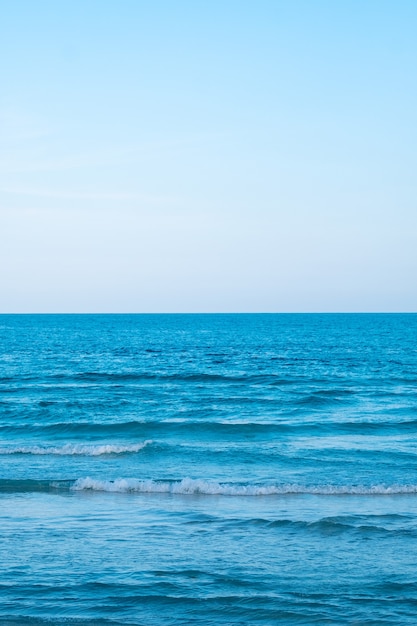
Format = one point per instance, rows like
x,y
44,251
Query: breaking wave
x,y
190,486
70,449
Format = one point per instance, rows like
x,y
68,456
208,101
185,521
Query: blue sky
x,y
208,156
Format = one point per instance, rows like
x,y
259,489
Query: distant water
x,y
208,469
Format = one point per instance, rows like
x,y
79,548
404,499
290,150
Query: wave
x,y
143,376
192,486
358,524
137,428
324,397
32,486
70,449
206,429
25,620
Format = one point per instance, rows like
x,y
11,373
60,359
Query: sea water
x,y
208,469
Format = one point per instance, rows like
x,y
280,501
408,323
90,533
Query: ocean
x,y
222,469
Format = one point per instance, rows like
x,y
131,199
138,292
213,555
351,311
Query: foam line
x,y
189,486
70,449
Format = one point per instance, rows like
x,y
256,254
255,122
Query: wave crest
x,y
190,486
70,449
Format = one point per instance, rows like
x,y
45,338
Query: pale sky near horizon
x,y
190,156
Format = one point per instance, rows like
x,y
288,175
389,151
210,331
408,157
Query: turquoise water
x,y
208,469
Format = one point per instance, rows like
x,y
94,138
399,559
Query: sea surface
x,y
208,469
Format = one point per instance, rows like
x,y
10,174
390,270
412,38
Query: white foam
x,y
189,486
70,449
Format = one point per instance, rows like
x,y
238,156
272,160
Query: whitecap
x,y
70,449
190,486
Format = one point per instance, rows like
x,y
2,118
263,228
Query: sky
x,y
222,156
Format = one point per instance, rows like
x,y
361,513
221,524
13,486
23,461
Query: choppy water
x,y
208,469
